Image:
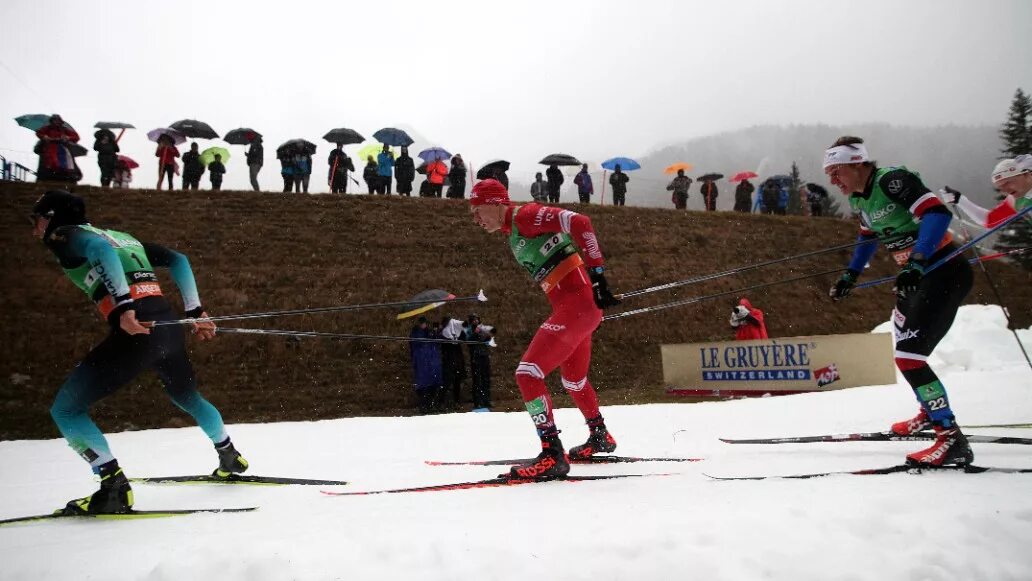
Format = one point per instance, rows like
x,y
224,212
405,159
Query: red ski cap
x,y
489,191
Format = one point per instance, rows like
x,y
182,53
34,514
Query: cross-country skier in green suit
x,y
897,210
116,271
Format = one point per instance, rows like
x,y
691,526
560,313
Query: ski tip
x,y
481,296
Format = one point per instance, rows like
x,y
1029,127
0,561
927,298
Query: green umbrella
x,y
34,121
208,155
372,149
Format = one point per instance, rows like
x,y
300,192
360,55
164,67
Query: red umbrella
x,y
744,175
128,161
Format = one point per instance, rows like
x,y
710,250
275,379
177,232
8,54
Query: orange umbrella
x,y
672,169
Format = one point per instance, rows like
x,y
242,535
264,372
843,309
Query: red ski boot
x,y
950,448
916,424
550,464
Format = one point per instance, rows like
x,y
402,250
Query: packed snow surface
x,y
684,526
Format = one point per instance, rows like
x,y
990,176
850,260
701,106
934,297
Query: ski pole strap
x,y
956,252
700,299
740,269
479,297
349,336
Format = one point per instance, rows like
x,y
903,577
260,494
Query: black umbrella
x,y
489,169
560,159
343,136
241,136
711,177
114,125
817,189
194,129
295,146
393,137
421,170
75,149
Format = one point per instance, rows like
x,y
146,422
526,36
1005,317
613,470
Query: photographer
x,y
747,321
480,361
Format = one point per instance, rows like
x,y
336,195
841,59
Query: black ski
x,y
486,483
887,436
909,468
131,515
591,460
235,479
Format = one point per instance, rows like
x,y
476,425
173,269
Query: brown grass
x,y
257,252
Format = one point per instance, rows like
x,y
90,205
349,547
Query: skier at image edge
x,y
1013,177
908,219
544,241
88,254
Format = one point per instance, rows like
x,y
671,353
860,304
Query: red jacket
x,y
166,154
751,326
436,171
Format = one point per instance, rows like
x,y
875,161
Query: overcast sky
x,y
516,79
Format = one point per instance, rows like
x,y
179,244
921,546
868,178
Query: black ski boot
x,y
550,464
230,461
599,440
114,497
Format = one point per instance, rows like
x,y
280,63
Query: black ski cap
x,y
62,208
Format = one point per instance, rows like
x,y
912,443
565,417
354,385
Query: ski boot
x,y
916,424
950,448
114,497
230,461
599,440
550,464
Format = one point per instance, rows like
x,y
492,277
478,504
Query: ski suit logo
x,y
553,327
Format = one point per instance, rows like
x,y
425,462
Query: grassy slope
x,y
256,252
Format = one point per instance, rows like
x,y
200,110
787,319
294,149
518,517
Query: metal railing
x,y
13,171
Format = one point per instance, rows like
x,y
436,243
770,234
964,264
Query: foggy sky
x,y
515,80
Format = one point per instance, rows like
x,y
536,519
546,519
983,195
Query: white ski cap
x,y
856,153
1009,168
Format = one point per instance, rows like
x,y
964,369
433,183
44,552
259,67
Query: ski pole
x,y
699,299
956,252
739,270
996,293
480,297
281,332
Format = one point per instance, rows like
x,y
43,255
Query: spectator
x,y
56,162
539,189
747,321
782,200
404,172
480,362
585,188
426,367
770,193
255,160
619,182
436,171
679,185
385,169
815,196
193,169
370,175
303,171
107,149
123,176
166,154
498,173
457,178
287,170
454,362
555,181
743,196
215,172
340,164
709,194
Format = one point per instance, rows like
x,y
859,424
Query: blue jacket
x,y
384,164
426,360
783,198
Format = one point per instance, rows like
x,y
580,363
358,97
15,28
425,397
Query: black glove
x,y
600,288
910,277
844,285
956,195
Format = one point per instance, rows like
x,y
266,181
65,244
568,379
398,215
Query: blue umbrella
x,y
625,163
434,153
393,137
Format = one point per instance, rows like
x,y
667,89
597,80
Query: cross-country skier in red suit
x,y
545,241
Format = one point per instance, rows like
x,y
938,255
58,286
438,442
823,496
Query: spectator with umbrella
x,y
679,186
767,200
555,180
709,190
585,188
303,171
625,164
371,175
56,159
106,146
193,169
404,172
166,153
743,191
216,170
618,181
290,153
384,170
255,153
457,178
340,164
123,174
436,171
495,170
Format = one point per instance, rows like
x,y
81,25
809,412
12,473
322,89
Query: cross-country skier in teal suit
x,y
116,271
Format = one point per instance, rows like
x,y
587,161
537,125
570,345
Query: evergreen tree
x,y
831,207
795,203
1017,131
